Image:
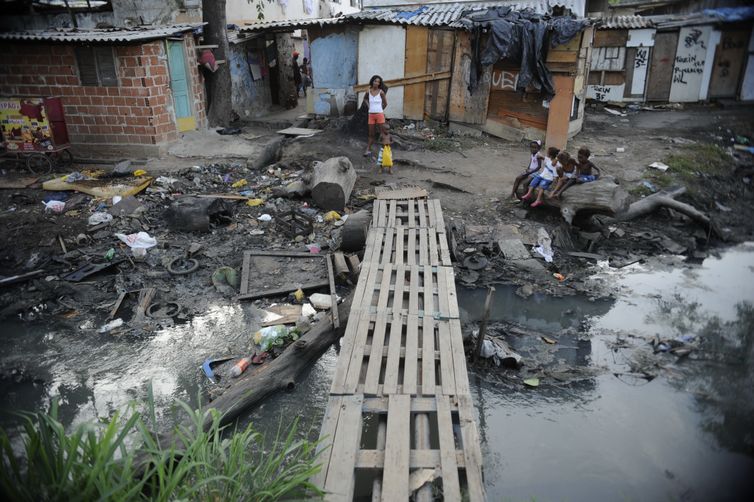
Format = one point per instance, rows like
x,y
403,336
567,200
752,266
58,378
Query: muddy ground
x,y
471,177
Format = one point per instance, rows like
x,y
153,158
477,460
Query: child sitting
x,y
585,170
544,178
567,174
535,164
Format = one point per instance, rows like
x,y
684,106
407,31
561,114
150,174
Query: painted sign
x,y
689,63
25,125
644,37
606,92
641,62
504,80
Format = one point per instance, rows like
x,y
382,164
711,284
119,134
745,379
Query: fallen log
x,y
655,201
280,374
331,183
603,196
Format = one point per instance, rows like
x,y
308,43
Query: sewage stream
x,y
687,434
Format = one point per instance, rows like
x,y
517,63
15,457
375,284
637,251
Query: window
x,y
96,66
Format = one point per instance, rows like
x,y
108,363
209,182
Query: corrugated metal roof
x,y
625,23
424,15
104,35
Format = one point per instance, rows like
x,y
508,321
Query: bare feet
x,y
537,203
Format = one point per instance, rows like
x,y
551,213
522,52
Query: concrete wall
x,y
245,11
136,116
382,51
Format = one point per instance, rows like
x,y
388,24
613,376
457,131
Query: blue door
x,y
179,85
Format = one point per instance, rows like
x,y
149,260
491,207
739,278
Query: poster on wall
x,y
24,125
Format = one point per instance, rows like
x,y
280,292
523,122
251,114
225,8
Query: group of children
x,y
557,168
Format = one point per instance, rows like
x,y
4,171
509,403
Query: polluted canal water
x,y
635,423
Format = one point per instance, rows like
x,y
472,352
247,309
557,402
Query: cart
x,y
34,133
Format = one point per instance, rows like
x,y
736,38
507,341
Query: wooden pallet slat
x,y
471,451
422,213
411,258
346,349
451,487
399,236
391,216
376,357
447,373
341,477
410,221
393,355
459,357
357,355
397,448
411,358
428,360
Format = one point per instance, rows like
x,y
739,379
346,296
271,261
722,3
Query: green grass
x,y
123,460
696,160
439,144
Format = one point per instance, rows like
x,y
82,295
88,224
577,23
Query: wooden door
x,y
439,59
179,84
729,58
415,66
661,68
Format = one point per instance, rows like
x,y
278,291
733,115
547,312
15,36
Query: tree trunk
x,y
287,92
281,373
603,196
332,182
220,111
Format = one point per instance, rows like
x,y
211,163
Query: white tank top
x,y
375,103
534,164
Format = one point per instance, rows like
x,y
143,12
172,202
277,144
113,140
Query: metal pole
x,y
483,325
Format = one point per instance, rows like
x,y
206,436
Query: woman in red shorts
x,y
377,102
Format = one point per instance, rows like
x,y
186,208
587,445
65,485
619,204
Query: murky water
x,y
686,435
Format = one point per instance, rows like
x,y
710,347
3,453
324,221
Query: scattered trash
x,y
90,269
321,301
614,112
620,149
139,173
240,367
254,202
116,323
98,218
74,177
122,169
226,131
165,181
649,185
209,363
54,206
558,276
313,248
659,166
256,231
549,340
265,217
723,208
531,382
126,206
139,240
299,295
295,223
544,247
226,280
500,352
307,310
274,336
475,262
182,266
332,216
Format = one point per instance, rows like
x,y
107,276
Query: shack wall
x,y
251,95
382,51
136,116
335,55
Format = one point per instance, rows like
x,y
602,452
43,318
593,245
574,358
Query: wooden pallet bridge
x,y
400,421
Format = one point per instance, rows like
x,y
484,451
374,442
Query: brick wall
x,y
137,112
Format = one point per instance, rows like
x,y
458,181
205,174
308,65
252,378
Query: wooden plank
x,y
372,379
397,448
434,258
440,223
411,359
366,300
403,193
428,361
451,487
373,243
283,291
393,355
415,65
471,451
459,358
428,77
439,58
418,405
413,291
346,351
410,222
398,290
341,476
428,305
443,298
367,268
245,273
467,107
333,296
400,234
451,288
411,258
604,38
444,250
660,75
447,372
422,213
357,354
391,217
423,251
326,436
387,276
387,246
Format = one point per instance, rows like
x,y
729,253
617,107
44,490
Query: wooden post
x,y
483,325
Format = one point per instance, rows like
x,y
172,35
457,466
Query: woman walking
x,y
376,100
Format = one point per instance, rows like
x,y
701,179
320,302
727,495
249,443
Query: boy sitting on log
x,y
586,172
535,164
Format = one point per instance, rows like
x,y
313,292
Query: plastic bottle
x,y
240,367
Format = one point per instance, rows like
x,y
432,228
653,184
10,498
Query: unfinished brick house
x,y
124,91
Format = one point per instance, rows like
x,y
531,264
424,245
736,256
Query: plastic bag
x,y
271,336
100,217
141,240
387,156
56,206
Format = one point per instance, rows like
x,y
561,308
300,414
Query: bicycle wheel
x,y
39,163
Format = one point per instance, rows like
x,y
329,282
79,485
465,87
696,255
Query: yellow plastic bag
x,y
240,183
332,216
299,295
387,156
139,172
254,202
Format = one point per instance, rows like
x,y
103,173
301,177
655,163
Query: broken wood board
x,y
513,249
17,182
104,188
299,131
290,314
277,273
403,193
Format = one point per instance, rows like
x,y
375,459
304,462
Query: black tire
x,y
39,163
63,158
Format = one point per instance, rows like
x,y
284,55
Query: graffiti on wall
x,y
605,92
504,80
689,63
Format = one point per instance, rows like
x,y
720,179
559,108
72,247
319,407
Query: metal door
x,y
179,84
729,59
661,68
